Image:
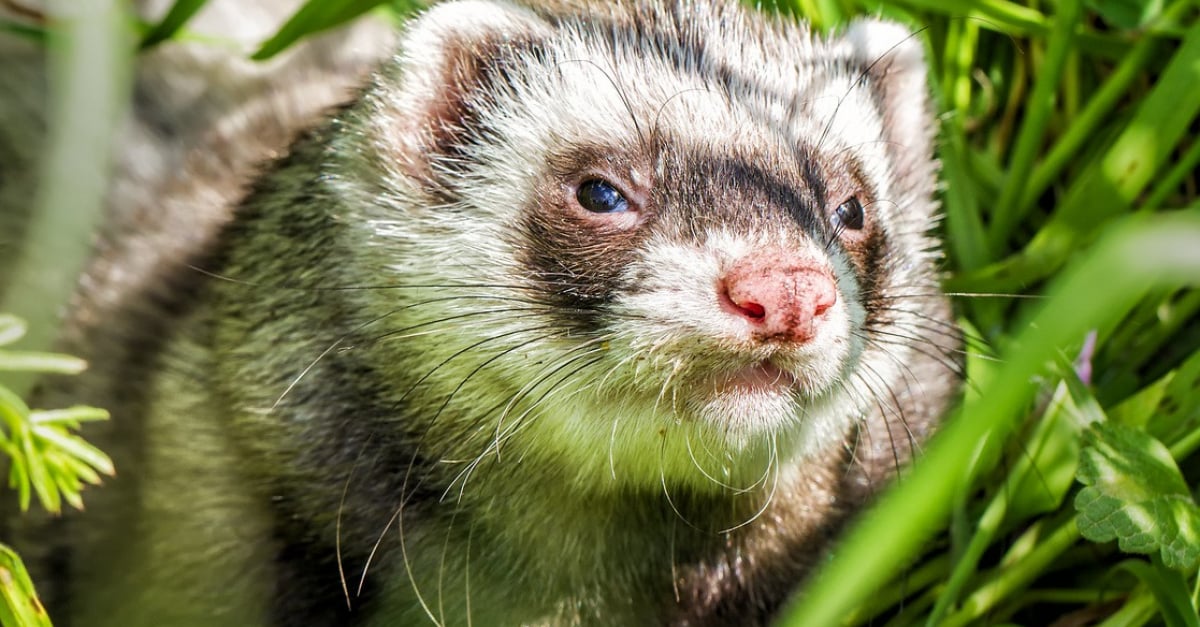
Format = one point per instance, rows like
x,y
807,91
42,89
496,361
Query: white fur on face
x,y
666,390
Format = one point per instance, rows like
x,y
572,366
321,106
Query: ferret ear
x,y
449,58
893,61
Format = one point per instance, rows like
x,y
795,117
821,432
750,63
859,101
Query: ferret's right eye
x,y
600,196
849,215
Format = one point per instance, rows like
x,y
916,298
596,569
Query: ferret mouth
x,y
763,377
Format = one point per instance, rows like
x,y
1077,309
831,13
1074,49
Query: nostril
x,y
742,304
752,310
779,301
824,297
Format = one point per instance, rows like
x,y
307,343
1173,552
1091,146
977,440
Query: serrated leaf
x,y
1136,495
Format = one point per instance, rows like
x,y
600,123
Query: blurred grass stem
x,y
89,48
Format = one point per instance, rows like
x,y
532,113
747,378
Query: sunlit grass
x,y
1069,154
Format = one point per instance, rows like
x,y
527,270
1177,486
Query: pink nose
x,y
781,298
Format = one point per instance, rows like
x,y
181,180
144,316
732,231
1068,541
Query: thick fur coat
x,y
569,313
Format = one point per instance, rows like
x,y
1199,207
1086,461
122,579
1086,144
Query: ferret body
x,y
578,314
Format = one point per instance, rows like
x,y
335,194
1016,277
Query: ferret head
x,y
655,242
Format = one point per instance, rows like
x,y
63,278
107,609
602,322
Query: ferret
x,y
564,312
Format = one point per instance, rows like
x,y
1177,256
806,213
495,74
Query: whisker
x,y
735,490
859,80
666,490
296,380
898,413
502,434
406,332
441,578
612,80
584,349
348,288
495,445
521,419
928,324
475,347
772,462
467,572
943,356
399,518
337,532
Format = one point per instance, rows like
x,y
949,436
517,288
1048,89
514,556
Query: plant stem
x,y
1009,209
89,58
893,531
1017,574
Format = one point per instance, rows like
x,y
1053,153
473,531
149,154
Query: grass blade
x,y
893,531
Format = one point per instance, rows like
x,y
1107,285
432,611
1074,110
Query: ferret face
x,y
691,226
719,279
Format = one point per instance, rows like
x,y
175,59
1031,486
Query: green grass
x,y
1069,153
1069,186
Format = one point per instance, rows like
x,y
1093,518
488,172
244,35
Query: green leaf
x,y
41,362
313,17
1037,483
40,477
1136,495
71,416
18,476
46,458
82,471
12,329
1110,183
20,606
1127,14
1007,211
1045,472
33,33
1137,410
1169,590
76,447
180,13
890,534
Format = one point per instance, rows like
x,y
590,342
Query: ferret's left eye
x,y
600,196
849,215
